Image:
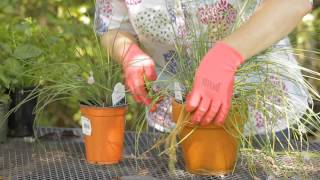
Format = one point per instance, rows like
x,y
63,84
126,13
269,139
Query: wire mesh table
x,y
58,153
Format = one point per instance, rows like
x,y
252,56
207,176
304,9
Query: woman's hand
x,y
137,65
212,91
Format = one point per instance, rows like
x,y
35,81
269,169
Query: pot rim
x,y
209,126
103,111
106,107
19,89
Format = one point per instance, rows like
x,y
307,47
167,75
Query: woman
x,y
124,23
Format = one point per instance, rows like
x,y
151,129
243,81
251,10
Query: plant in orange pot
x,y
214,150
95,82
197,142
211,149
103,128
260,99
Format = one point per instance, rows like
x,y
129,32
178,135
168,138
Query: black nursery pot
x,y
21,121
3,123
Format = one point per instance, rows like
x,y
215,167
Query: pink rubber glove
x,y
136,65
212,90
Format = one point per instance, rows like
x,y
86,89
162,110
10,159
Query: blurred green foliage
x,y
306,39
48,31
61,31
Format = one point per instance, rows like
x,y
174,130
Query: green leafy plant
x,y
18,54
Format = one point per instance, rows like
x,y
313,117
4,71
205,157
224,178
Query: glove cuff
x,y
131,52
229,52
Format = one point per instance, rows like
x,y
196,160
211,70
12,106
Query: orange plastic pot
x,y
105,144
209,150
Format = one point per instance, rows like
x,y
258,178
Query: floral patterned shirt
x,y
157,22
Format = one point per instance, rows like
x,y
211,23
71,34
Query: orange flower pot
x,y
105,144
209,150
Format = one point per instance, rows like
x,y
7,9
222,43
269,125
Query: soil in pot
x,y
21,121
3,122
209,150
104,134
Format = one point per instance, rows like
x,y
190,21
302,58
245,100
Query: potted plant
x,y
62,71
213,150
95,81
196,141
104,127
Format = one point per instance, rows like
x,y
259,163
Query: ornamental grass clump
x,y
259,91
91,79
